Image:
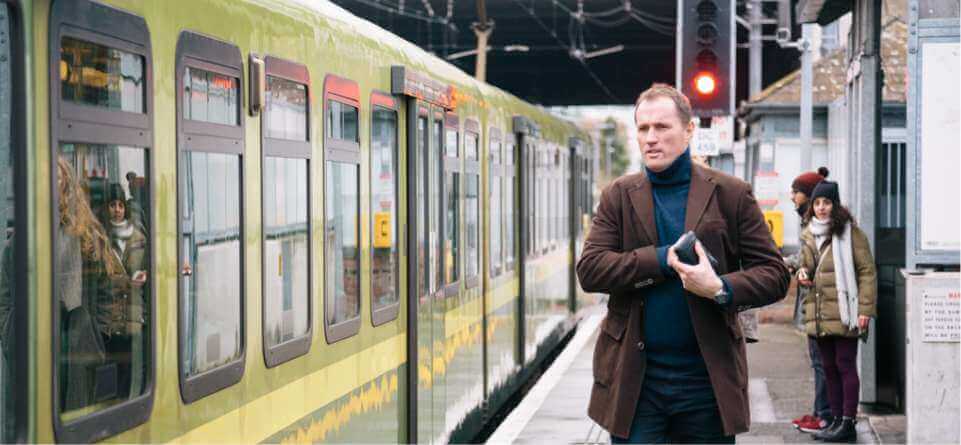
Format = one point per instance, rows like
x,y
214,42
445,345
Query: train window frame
x,y
347,92
510,176
205,53
18,162
386,313
86,20
290,149
472,166
451,164
495,174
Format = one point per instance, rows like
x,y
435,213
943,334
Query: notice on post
x,y
941,314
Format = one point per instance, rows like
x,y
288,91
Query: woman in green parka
x,y
836,262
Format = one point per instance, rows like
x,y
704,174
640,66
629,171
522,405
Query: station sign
x,y
767,187
407,82
713,140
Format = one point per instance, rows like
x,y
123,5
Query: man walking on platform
x,y
670,364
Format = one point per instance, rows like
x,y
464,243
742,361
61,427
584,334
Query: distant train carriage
x,y
269,221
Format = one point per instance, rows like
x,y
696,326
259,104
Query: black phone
x,y
684,249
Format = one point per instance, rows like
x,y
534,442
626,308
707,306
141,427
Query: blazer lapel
x,y
643,203
702,188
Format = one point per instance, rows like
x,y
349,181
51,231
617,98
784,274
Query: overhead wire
x,y
412,15
597,80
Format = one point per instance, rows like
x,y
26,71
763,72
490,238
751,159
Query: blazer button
x,y
640,346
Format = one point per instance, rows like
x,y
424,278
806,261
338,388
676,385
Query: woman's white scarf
x,y
121,232
845,280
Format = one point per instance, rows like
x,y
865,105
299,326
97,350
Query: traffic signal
x,y
706,55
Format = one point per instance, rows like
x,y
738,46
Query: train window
x,y
101,76
285,116
451,207
510,204
423,270
435,170
211,97
342,121
472,258
209,192
286,214
102,272
342,260
286,251
102,247
383,206
211,246
13,317
452,227
341,239
495,177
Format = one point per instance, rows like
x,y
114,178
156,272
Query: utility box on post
x,y
933,303
706,55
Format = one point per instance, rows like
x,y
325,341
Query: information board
x,y
941,314
940,124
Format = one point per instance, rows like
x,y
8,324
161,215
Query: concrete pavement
x,y
781,388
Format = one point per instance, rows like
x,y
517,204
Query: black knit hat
x,y
115,193
827,189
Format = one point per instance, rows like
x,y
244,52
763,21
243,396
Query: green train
x,y
269,221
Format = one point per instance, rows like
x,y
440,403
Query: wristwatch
x,y
722,297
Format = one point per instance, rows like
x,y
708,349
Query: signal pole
x,y
807,99
482,29
756,44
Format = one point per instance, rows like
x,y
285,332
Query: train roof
x,y
345,22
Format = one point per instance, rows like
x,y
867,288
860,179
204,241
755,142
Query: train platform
x,y
781,388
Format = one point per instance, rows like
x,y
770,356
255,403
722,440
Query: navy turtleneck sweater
x,y
671,347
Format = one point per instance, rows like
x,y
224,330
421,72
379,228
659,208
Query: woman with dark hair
x,y
129,245
836,262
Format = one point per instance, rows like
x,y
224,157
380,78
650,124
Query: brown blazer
x,y
619,259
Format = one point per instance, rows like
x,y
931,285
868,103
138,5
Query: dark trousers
x,y
676,411
822,407
839,357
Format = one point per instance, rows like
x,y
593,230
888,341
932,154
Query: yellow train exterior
x,y
269,221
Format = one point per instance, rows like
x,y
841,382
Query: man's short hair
x,y
681,103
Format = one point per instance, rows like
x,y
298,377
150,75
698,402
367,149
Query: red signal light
x,y
704,83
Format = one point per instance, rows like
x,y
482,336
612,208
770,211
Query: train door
x,y
425,137
426,103
524,132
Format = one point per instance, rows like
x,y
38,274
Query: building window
x,y
383,207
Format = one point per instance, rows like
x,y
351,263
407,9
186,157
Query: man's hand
x,y
699,279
